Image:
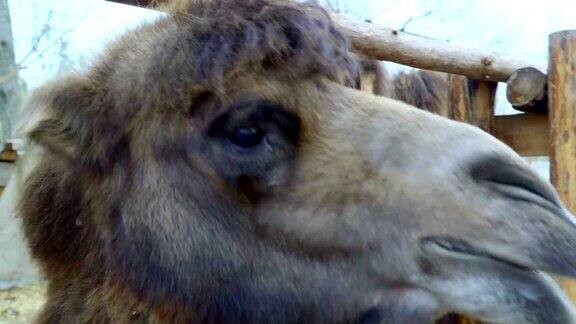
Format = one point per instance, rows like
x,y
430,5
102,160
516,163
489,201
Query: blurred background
x,y
42,39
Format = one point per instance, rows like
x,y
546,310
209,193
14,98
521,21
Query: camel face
x,y
437,210
218,167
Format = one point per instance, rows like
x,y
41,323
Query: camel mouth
x,y
460,249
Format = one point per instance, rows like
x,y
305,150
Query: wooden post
x,y
472,101
562,117
459,99
482,96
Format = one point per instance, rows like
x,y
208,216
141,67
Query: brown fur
x,y
375,78
89,118
144,205
427,90
423,89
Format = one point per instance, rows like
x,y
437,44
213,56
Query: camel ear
x,y
65,118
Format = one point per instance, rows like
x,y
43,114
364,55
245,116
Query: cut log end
x,y
526,90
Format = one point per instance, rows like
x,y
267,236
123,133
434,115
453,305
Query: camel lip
x,y
461,249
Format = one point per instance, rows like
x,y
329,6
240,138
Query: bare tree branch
x,y
411,19
34,50
403,28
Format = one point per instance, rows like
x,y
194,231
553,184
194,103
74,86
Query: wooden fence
x,y
547,126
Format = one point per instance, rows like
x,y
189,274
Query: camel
x,y
221,166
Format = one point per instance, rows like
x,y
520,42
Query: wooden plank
x,y
527,134
562,114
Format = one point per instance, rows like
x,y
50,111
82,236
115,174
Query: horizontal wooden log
x,y
527,134
526,90
387,44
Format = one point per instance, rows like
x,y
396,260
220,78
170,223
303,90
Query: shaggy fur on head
x,y
288,38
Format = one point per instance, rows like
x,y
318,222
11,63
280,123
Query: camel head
x,y
220,165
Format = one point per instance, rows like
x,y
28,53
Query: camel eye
x,y
246,137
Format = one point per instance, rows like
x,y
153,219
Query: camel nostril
x,y
513,179
517,182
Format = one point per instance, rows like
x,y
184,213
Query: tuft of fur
x,y
287,37
426,90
